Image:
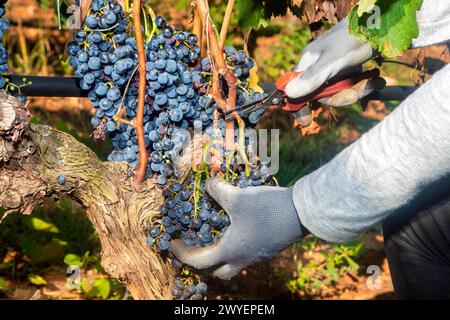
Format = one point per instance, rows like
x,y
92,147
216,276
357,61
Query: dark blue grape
x,y
61,179
160,22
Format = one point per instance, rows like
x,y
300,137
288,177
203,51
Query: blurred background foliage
x,y
36,250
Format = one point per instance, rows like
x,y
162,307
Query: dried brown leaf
x,y
313,14
329,10
297,3
314,128
316,112
343,7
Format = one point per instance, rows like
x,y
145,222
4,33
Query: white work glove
x,y
263,222
335,53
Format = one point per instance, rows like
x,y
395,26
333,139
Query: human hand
x,y
335,53
263,222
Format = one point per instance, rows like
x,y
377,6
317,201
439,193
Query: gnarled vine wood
x,y
31,159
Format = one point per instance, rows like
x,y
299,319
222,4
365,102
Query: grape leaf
x,y
396,29
101,288
365,6
37,280
3,284
84,6
275,8
251,14
41,225
73,260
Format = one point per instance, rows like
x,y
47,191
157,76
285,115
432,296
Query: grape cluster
x,y
189,213
105,61
4,25
183,290
189,216
171,94
104,56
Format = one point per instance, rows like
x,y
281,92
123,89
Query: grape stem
x,y
241,144
220,69
124,121
205,155
197,190
226,23
145,23
153,18
120,111
139,120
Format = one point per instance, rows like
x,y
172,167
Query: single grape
x,y
61,179
201,288
160,22
163,244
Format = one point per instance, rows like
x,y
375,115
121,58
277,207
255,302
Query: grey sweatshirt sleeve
x,y
433,19
393,162
383,170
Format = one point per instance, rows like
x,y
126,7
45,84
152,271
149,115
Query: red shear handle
x,y
324,91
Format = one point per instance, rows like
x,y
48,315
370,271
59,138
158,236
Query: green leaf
x,y
41,225
51,251
397,26
86,287
101,288
365,6
352,264
251,14
73,260
3,284
37,280
182,4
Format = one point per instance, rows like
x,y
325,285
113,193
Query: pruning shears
x,y
279,99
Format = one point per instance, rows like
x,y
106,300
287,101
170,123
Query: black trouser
x,y
417,243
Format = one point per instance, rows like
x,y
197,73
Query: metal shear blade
x,y
274,98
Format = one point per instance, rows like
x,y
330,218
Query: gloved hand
x,y
263,222
335,53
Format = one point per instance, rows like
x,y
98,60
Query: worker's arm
x,y
434,23
390,164
387,167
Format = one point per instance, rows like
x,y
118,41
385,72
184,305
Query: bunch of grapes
x,y
4,25
189,213
104,56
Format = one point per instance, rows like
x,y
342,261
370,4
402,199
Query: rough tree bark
x,y
31,159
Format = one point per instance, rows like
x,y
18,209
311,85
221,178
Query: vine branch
x,y
197,27
226,22
139,120
220,71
